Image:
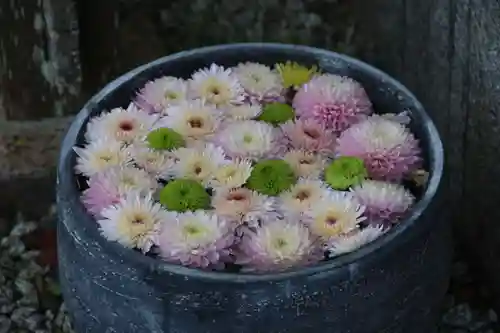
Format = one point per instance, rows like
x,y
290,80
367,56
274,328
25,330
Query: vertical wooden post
x,y
448,53
39,62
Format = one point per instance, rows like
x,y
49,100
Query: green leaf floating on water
x,y
165,139
277,113
344,172
182,195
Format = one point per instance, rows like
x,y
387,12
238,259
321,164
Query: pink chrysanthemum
x,y
160,93
195,239
244,206
385,202
278,246
308,135
109,187
389,149
336,101
354,241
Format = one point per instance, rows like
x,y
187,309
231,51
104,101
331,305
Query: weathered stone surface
x,y
39,64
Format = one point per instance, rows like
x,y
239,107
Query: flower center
x,y
105,158
128,181
191,230
331,220
126,126
197,169
307,161
196,122
170,94
280,243
138,219
303,195
236,197
247,138
312,133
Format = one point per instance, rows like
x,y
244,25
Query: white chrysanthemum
x,y
354,241
159,164
133,221
192,119
124,125
384,201
247,139
335,214
216,85
244,206
195,239
163,92
198,163
232,174
128,179
243,111
301,197
258,80
305,164
100,155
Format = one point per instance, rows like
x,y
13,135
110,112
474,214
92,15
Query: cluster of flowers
x,y
255,167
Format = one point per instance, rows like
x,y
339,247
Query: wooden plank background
x,y
53,54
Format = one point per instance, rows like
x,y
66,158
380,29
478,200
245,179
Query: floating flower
x,y
301,197
389,149
336,214
124,125
108,187
278,246
192,119
242,205
247,139
305,164
277,113
308,135
259,81
232,174
165,139
271,177
133,221
161,93
294,75
354,241
338,102
158,163
100,155
385,202
181,195
344,172
243,111
402,117
217,86
195,239
198,163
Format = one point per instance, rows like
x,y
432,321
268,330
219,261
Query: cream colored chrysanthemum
x,y
159,164
192,119
163,92
258,80
216,85
124,125
354,241
305,164
244,205
336,214
129,179
232,174
247,139
133,221
301,197
100,155
199,163
243,111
